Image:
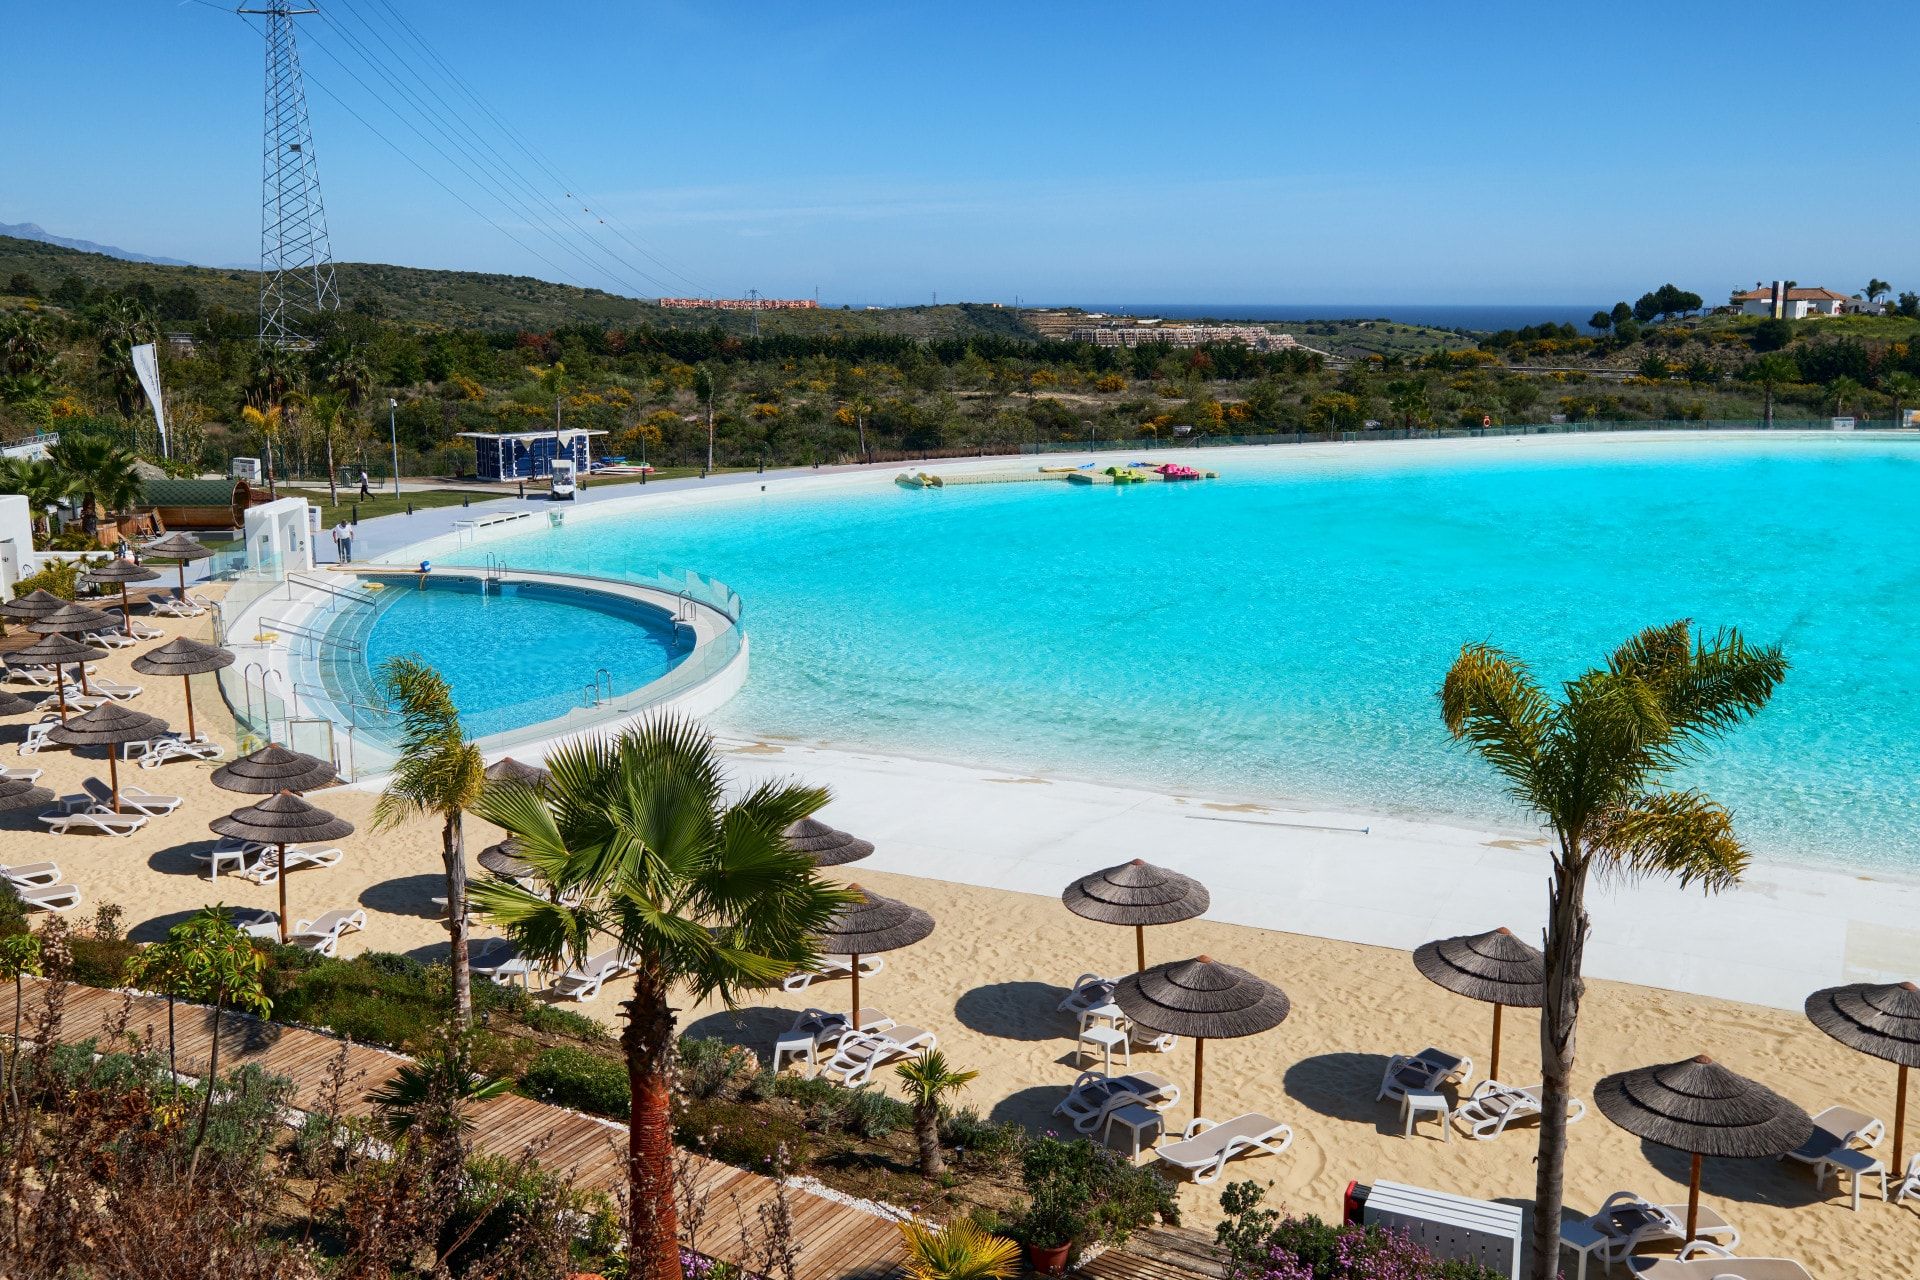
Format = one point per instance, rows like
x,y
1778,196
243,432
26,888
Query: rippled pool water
x,y
1282,631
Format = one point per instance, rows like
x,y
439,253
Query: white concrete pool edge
x,y
1784,933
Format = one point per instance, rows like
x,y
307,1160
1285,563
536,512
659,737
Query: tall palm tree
x,y
928,1080
1877,289
121,323
37,480
439,772
1770,371
326,410
1904,390
99,475
641,848
704,386
1590,765
1843,390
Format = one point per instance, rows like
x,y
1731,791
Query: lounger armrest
x,y
1702,1249
1622,1199
1199,1126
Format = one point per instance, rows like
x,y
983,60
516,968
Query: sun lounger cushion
x,y
1206,1147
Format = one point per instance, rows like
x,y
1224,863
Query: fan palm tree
x,y
1590,765
1877,289
120,324
1843,390
1903,389
928,1080
1771,371
640,846
99,475
961,1250
431,1093
268,422
439,772
326,411
1407,398
35,479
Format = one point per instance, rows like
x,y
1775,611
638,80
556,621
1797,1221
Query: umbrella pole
x,y
1900,1125
1693,1202
1140,948
183,579
126,610
854,1015
1493,1071
1199,1073
186,682
280,874
113,773
60,683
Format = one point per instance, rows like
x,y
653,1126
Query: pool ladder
x,y
494,575
591,695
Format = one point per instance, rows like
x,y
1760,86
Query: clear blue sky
x,y
1276,152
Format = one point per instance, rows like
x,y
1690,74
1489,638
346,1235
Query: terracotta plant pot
x,y
1050,1261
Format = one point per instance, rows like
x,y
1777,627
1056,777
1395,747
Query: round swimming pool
x,y
1282,632
519,653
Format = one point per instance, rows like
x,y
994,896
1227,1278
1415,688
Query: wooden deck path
x,y
836,1241
1162,1253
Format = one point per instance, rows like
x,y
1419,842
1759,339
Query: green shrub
x,y
706,1068
99,962
745,1136
394,965
874,1115
491,998
13,912
56,576
1116,1198
974,1137
579,1079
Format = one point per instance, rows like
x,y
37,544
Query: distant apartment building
x,y
1182,335
740,304
1793,303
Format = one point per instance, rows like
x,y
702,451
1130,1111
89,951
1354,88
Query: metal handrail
x,y
318,637
332,591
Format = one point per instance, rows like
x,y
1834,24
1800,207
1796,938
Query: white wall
x,y
17,556
280,536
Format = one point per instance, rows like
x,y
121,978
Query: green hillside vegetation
x,y
889,385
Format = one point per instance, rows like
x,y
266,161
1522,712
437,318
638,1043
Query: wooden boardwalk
x,y
836,1241
1160,1253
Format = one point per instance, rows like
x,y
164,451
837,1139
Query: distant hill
x,y
478,300
34,231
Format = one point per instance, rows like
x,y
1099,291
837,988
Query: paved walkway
x,y
837,1241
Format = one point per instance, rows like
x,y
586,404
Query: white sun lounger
x,y
37,740
583,981
267,869
157,751
48,897
76,701
20,775
1423,1072
1836,1129
256,922
1204,1149
136,799
499,960
815,1029
1704,1260
168,605
1906,1184
28,874
831,966
43,675
229,854
856,1054
1095,1096
111,639
1628,1220
95,819
1090,991
104,687
323,934
141,631
1493,1106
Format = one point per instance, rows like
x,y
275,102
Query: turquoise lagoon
x,y
1281,632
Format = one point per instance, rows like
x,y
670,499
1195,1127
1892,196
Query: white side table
x,y
1137,1119
1105,1039
1581,1236
1858,1164
1415,1105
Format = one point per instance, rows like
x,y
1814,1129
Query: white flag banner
x,y
146,363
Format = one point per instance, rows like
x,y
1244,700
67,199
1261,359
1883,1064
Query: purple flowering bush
x,y
1261,1244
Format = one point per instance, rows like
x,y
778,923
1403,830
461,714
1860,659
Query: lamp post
x,y
393,438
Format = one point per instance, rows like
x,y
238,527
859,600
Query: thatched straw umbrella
x,y
1699,1107
1204,999
178,547
273,769
122,572
281,820
18,793
507,769
504,859
56,651
70,620
869,926
37,604
1139,894
184,658
108,725
1494,967
12,704
1883,1020
827,846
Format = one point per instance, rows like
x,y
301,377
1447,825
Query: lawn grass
x,y
386,504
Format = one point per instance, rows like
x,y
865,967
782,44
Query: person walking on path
x,y
349,531
366,490
339,541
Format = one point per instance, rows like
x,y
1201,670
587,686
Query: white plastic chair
x,y
856,1054
323,934
1094,1096
1493,1106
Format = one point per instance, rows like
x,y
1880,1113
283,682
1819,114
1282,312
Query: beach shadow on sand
x,y
1343,1086
754,1028
1779,1183
155,929
407,896
1015,1011
1033,1109
177,859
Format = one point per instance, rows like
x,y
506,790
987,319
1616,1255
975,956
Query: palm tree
x,y
431,1093
961,1250
1903,389
1590,765
704,386
928,1080
99,475
1843,389
439,772
121,323
639,845
268,423
1770,371
1877,289
326,410
35,479
1407,398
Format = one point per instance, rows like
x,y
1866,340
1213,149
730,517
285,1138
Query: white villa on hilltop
x,y
1798,302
